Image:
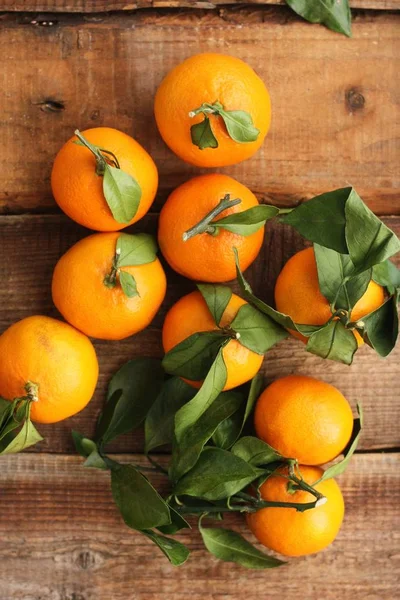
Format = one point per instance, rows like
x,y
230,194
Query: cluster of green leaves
x,y
213,458
17,431
121,191
352,246
334,14
238,123
131,250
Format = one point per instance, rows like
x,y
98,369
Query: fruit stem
x,y
205,225
110,280
320,499
32,392
101,161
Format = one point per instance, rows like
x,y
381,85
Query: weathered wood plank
x,y
62,539
30,247
98,6
335,101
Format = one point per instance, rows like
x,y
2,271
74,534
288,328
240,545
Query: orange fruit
x,y
85,301
297,294
210,78
190,315
54,356
304,418
78,190
294,533
206,257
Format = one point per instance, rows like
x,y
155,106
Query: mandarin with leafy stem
x,y
48,364
297,294
213,110
304,418
191,315
203,219
110,285
103,179
291,532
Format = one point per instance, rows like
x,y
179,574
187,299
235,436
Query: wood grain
x,y
335,101
30,247
98,6
62,539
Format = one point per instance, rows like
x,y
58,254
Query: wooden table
x,y
335,114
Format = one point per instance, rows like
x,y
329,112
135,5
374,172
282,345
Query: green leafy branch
x,y
223,474
238,123
131,250
352,246
121,191
243,223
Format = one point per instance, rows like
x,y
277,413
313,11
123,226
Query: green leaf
x,y
255,452
381,327
217,474
257,331
176,552
138,249
339,467
340,288
322,219
230,546
202,134
240,125
26,437
177,523
122,193
387,275
128,284
212,386
83,445
248,221
139,503
95,461
280,318
335,342
131,393
187,451
160,420
229,430
369,240
217,298
334,14
193,357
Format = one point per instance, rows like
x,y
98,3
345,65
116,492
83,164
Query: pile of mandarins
x,y
212,110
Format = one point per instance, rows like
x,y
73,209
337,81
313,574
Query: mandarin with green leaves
x,y
297,294
213,110
191,315
204,219
296,533
50,364
104,179
110,285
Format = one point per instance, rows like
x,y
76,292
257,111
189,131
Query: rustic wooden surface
x,y
89,554
98,6
336,110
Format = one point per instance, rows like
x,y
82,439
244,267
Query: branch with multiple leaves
x,y
215,467
352,246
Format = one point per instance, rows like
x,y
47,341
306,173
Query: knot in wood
x,y
354,100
